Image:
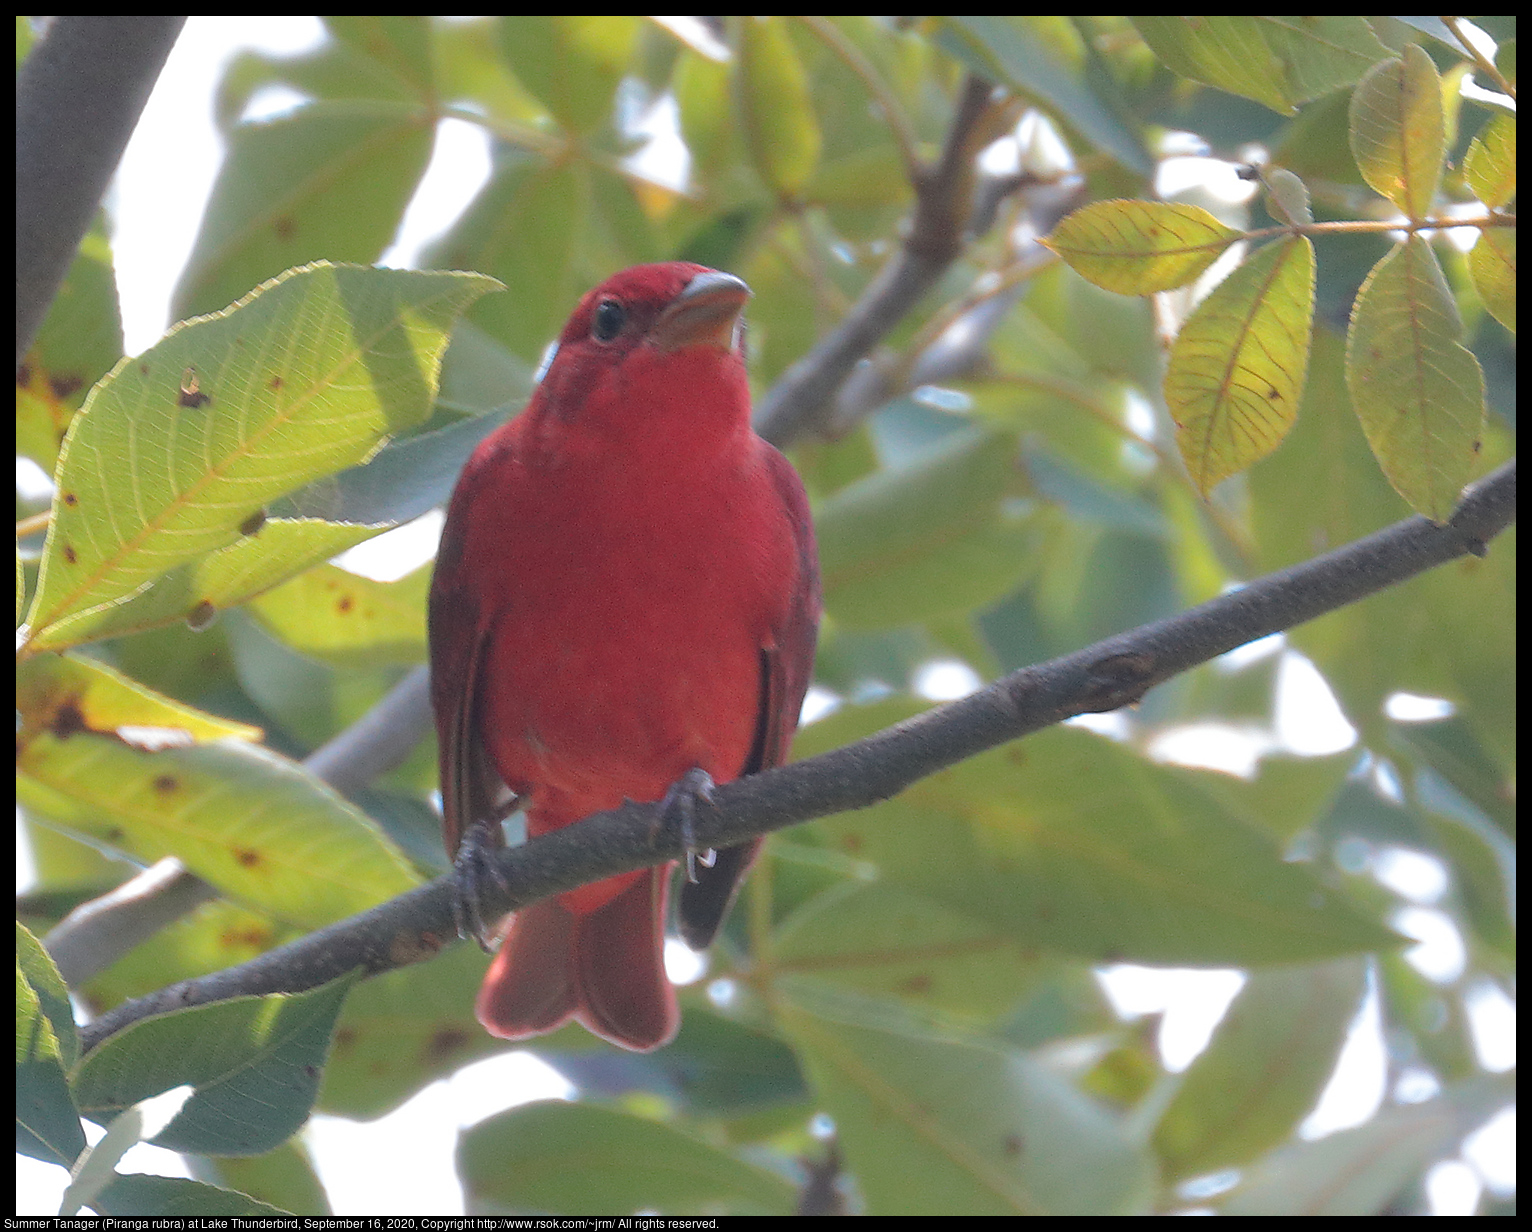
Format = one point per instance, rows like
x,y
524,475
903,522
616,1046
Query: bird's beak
x,y
706,313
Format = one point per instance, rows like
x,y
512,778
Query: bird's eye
x,y
610,316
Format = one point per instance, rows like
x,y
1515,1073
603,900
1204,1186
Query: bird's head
x,y
650,340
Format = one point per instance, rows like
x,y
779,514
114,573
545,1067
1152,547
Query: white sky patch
x,y
161,187
394,553
945,680
458,169
818,703
683,965
1412,708
409,1167
1411,874
1242,657
1452,1188
1439,954
1193,1003
1492,1015
1309,721
1492,1150
1234,749
1213,176
32,482
1355,1090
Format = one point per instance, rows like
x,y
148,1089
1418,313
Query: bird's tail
x,y
604,968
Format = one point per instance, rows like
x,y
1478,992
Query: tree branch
x,y
1102,677
78,99
801,399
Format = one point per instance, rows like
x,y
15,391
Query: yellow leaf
x,y
1237,368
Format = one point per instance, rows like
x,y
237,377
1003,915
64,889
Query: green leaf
x,y
1490,166
572,64
932,1124
404,1029
1140,247
174,1197
1452,749
1265,1068
1418,392
253,1063
1359,1172
1398,131
775,106
716,1068
1482,860
178,451
524,229
283,1178
65,694
1071,842
885,941
1492,263
393,51
1278,61
933,537
329,182
568,1158
330,614
367,58
52,997
218,935
1287,196
274,550
702,90
1237,369
1016,51
253,824
80,340
47,1124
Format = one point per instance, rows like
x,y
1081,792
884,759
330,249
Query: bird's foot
x,y
475,861
680,807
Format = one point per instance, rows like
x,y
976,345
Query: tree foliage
x,y
1036,403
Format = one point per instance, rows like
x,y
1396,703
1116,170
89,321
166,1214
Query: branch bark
x,y
802,398
78,99
1102,677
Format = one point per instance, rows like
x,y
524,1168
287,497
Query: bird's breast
x,y
628,620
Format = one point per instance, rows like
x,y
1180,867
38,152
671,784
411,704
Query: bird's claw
x,y
474,862
680,805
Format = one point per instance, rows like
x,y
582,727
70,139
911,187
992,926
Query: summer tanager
x,y
624,607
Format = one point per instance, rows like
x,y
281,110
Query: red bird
x,y
627,594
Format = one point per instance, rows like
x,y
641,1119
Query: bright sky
x,y
402,1163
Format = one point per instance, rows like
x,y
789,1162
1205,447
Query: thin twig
x,y
803,397
1485,65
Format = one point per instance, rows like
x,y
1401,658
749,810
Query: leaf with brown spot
x,y
162,492
340,618
251,823
190,394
